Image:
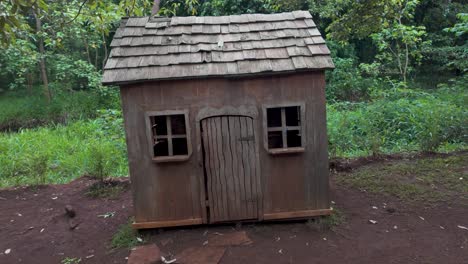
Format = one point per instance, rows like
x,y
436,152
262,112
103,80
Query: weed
x,y
427,180
105,189
71,260
39,168
67,150
126,237
327,222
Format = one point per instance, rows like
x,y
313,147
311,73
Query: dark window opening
x,y
275,139
179,146
293,116
160,125
294,138
284,127
274,117
178,125
161,148
169,135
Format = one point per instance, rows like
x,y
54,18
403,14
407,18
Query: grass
x,y
328,222
125,237
29,111
426,180
403,120
60,154
397,121
106,189
69,260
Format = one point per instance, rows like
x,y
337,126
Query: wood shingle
x,y
158,48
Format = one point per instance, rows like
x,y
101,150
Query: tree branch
x,y
79,12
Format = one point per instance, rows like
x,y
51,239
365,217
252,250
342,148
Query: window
x,y
284,129
169,136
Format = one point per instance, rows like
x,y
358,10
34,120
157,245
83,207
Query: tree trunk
x,y
88,55
42,61
155,7
105,50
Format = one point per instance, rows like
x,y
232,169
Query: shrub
x,y
402,120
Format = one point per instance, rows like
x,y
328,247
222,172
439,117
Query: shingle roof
x,y
160,48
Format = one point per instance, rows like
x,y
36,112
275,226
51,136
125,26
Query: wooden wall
x,y
171,191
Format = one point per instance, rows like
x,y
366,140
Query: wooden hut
x,y
224,116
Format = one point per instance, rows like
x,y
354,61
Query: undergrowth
x,y
62,153
427,180
125,237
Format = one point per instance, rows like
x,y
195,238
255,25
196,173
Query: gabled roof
x,y
160,48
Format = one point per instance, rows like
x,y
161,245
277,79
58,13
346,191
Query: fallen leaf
x,y
7,251
373,222
107,215
395,227
139,240
165,261
42,230
422,218
462,227
280,251
205,243
90,256
54,198
375,207
441,227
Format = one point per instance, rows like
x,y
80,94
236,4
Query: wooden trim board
x,y
297,214
159,224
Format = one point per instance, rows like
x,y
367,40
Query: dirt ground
x,y
35,229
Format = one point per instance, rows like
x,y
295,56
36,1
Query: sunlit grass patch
x,y
427,179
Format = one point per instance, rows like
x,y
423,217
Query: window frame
x,y
284,128
149,132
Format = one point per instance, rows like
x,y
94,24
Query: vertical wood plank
x,y
214,173
247,167
228,171
208,166
240,166
218,198
234,142
221,169
253,167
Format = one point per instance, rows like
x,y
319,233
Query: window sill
x,y
171,159
286,151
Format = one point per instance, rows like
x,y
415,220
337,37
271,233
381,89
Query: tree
x,y
399,44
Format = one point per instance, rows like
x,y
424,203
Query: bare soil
x,y
34,226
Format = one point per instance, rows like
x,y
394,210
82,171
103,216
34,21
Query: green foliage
x,y
126,237
330,222
428,179
347,82
69,260
106,189
67,149
461,28
398,120
21,110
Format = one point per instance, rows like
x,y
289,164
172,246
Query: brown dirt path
x,y
436,239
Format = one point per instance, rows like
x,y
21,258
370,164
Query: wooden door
x,y
232,171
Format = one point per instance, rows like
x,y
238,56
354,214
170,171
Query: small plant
x,y
38,167
327,222
106,189
71,260
126,237
97,163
